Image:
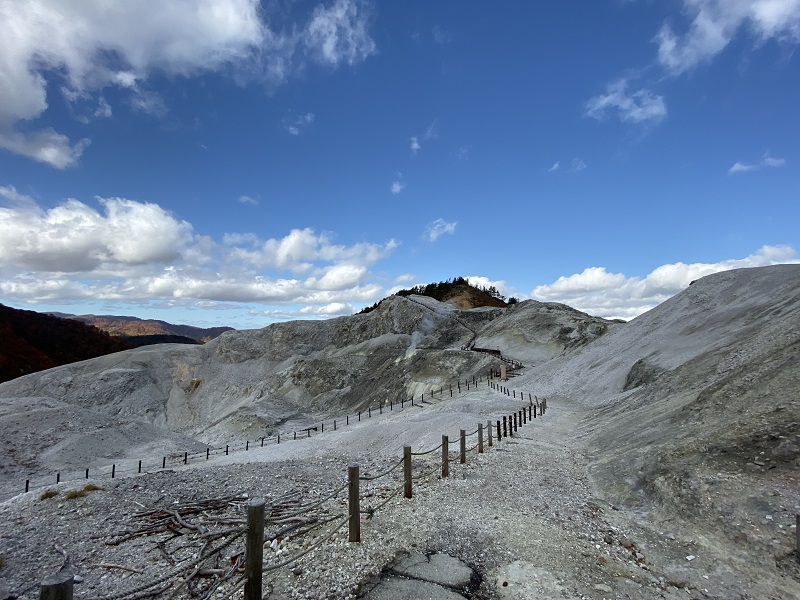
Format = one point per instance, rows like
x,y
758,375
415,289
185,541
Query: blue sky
x,y
235,162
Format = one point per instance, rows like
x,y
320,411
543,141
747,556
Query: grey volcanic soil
x,y
667,465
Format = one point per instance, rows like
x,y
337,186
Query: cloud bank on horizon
x,y
246,161
138,253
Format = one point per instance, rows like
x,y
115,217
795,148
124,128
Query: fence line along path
x,y
246,536
132,467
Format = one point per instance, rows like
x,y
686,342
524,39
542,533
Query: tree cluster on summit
x,y
444,290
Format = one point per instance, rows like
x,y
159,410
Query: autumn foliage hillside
x,y
31,341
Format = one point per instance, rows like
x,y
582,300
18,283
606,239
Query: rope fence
x,y
178,459
59,588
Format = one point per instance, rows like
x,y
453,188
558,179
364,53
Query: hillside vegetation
x,y
31,342
458,292
133,327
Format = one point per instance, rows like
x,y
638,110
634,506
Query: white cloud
x,y
299,250
766,161
432,132
480,281
404,278
245,199
148,102
441,36
103,110
44,146
13,197
130,251
438,228
715,23
641,106
339,277
74,237
339,33
615,295
334,309
397,187
463,153
295,125
577,165
93,44
556,166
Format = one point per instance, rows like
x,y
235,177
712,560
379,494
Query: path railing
x,y
132,467
60,586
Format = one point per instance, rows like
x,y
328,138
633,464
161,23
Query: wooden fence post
x,y
463,446
489,430
354,504
524,416
445,457
407,470
505,430
58,586
480,438
499,436
254,549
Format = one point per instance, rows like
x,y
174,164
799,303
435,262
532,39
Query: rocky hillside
x,y
682,425
254,382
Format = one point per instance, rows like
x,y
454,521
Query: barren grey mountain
x,y
259,382
670,453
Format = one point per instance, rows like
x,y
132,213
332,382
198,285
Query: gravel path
x,y
523,515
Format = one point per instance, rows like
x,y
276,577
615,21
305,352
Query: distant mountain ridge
x,y
31,342
132,327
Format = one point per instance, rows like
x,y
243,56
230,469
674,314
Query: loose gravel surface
x,y
523,515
